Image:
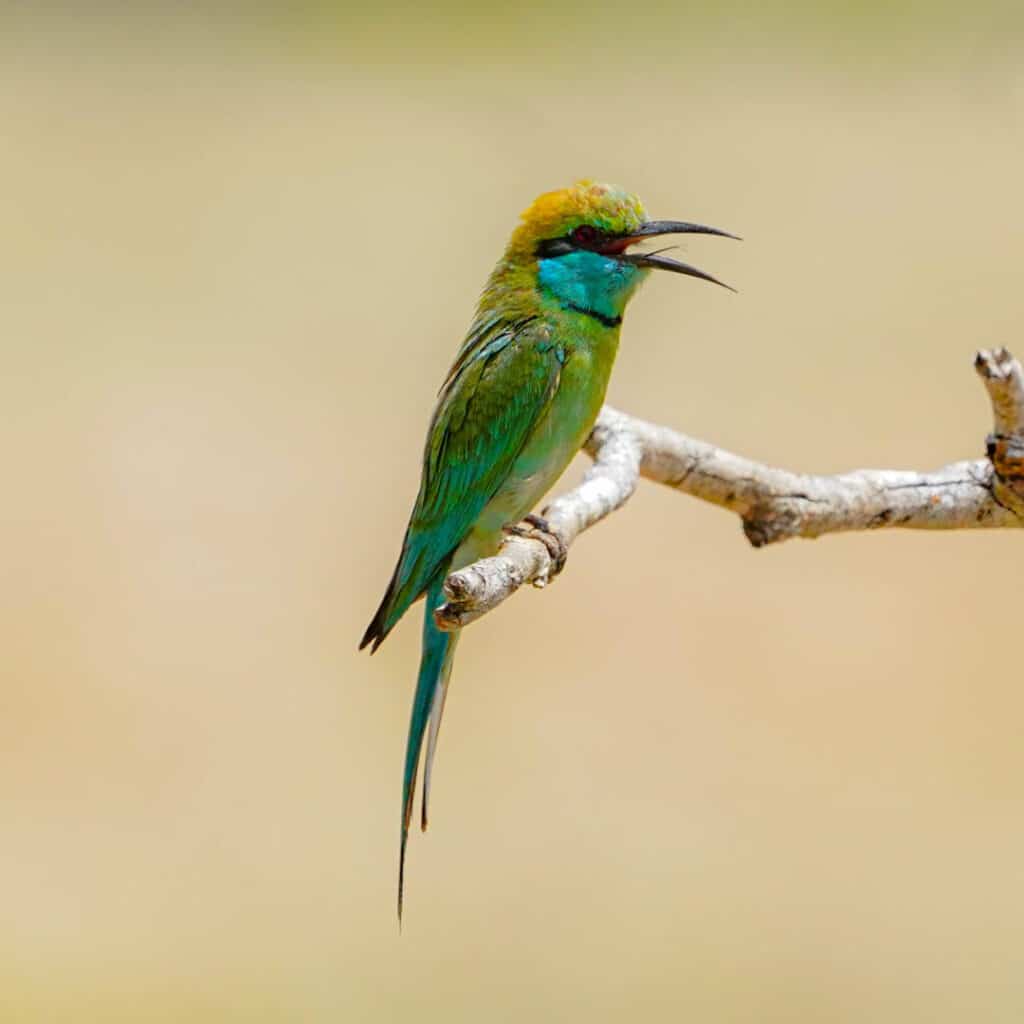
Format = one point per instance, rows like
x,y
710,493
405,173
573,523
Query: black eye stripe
x,y
584,237
551,247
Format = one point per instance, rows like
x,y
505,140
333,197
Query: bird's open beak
x,y
654,228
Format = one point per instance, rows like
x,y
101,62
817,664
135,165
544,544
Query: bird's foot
x,y
535,527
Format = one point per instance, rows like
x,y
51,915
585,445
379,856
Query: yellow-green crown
x,y
607,207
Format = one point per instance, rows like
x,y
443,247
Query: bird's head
x,y
576,244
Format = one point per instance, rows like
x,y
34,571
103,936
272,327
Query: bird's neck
x,y
589,284
584,284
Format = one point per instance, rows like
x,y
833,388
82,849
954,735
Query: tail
x,y
428,704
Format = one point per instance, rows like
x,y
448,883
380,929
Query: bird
x,y
519,400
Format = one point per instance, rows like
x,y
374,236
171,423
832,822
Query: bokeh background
x,y
690,781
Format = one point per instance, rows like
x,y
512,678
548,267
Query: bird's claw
x,y
535,527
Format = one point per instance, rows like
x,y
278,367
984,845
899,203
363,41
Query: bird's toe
x,y
536,527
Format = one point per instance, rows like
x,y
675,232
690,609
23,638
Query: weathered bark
x,y
774,504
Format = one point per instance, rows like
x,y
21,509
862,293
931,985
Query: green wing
x,y
499,386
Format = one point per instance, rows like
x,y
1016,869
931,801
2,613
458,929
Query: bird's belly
x,y
549,449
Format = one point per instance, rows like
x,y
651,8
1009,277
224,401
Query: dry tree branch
x,y
774,504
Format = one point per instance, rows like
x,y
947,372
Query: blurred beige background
x,y
690,781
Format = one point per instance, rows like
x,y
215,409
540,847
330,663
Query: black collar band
x,y
608,321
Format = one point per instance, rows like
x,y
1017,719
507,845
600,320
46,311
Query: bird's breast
x,y
556,437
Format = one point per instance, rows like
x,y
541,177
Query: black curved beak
x,y
656,261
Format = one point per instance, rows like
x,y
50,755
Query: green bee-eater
x,y
517,404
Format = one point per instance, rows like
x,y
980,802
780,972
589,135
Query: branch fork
x,y
773,504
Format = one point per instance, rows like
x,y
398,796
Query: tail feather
x,y
435,668
436,713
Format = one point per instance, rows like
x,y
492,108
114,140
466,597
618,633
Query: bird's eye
x,y
585,235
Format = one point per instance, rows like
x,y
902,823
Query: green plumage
x,y
497,390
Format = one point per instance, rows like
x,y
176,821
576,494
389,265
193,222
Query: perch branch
x,y
773,504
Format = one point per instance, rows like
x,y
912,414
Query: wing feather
x,y
498,388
